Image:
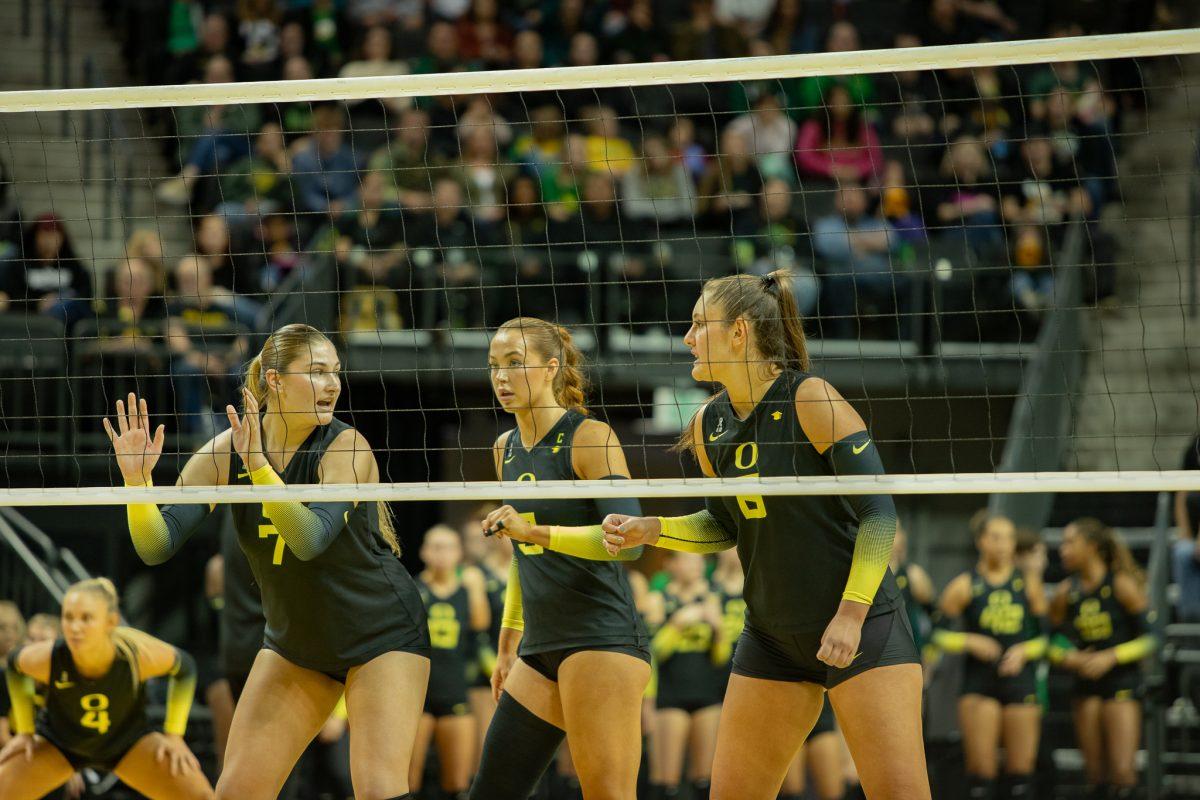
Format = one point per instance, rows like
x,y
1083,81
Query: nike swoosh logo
x,y
510,458
243,474
861,447
712,437
63,684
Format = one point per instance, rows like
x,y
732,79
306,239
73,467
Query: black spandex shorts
x,y
1122,682
417,647
886,640
825,722
104,758
1014,690
547,663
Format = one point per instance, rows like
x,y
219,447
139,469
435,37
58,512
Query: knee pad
x,y
700,789
1020,787
980,788
518,748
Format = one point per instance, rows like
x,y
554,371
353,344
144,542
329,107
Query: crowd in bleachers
x,y
442,207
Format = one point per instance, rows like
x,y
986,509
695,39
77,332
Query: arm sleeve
x,y
587,541
20,695
1058,648
950,641
1136,649
856,455
159,533
181,688
665,642
514,615
702,532
307,530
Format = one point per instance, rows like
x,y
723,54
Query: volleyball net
x,y
991,248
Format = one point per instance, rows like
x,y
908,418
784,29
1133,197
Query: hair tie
x,y
770,283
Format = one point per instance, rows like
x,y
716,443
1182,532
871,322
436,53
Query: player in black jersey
x,y
1104,623
730,582
689,642
583,650
343,615
1003,612
456,601
822,758
95,706
823,611
915,587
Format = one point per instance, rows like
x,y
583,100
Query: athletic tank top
x,y
1095,619
1001,611
567,601
343,607
452,642
93,716
733,614
795,550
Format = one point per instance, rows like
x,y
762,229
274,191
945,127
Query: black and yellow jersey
x,y
796,550
1000,611
567,601
452,642
93,720
241,619
348,605
918,616
1096,620
733,614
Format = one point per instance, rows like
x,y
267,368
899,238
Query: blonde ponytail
x,y
554,341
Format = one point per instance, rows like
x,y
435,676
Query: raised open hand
x,y
137,450
247,432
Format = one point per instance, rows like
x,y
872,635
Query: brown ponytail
x,y
768,305
554,341
1111,548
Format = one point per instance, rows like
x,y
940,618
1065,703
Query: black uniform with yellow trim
x,y
93,722
1096,620
918,615
686,678
351,603
569,604
1001,612
797,550
494,586
733,621
452,648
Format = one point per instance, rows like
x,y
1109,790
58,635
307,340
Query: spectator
x,y
214,136
543,153
559,30
407,162
481,113
376,61
144,243
702,35
279,240
212,239
260,183
258,28
856,248
839,145
215,42
325,170
729,186
639,39
450,10
584,52
370,245
1032,276
383,13
483,37
43,628
966,197
451,238
809,97
528,52
526,214
788,31
533,286
748,16
898,203
48,278
909,105
773,243
199,301
659,189
483,176
441,51
770,134
1075,127
325,26
1043,190
132,318
1185,557
606,149
183,23
682,139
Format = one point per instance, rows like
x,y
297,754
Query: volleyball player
x,y
583,650
1103,614
823,611
95,706
688,644
821,757
915,587
342,614
456,601
1003,611
493,556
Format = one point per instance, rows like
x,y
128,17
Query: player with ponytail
x,y
343,616
574,655
823,612
1104,629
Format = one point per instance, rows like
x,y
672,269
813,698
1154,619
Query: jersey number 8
x,y
95,712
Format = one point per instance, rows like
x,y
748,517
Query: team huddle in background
x,y
530,630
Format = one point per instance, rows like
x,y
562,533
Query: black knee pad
x,y
700,789
980,788
518,748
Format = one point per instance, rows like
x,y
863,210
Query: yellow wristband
x,y
265,476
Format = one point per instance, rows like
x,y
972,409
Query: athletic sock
x,y
1020,787
518,748
700,789
980,788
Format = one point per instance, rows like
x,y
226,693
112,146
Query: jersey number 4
x,y
95,712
